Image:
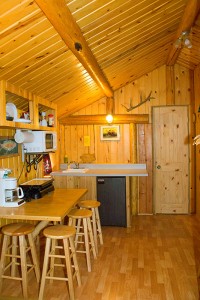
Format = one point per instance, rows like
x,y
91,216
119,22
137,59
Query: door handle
x,y
158,167
100,181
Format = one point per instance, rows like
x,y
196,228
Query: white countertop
x,y
104,170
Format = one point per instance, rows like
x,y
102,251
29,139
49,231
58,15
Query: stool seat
x,y
89,203
15,254
59,232
93,205
18,229
79,214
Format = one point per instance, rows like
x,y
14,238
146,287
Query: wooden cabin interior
x,y
80,60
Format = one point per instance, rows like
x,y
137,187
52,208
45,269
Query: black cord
x,y
21,171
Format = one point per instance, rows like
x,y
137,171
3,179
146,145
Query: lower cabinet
x,y
77,182
111,192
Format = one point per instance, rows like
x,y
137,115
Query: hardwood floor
x,y
156,259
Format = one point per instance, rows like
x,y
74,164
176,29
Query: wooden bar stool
x,y
17,251
96,224
81,219
66,252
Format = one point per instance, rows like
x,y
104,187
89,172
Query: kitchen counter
x,y
88,179
103,170
53,206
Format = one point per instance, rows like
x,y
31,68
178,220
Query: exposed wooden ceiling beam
x,y
61,18
101,119
110,106
189,17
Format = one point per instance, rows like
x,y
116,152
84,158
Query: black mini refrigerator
x,y
111,192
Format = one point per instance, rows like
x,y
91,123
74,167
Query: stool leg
x,y
77,224
45,266
14,253
99,226
76,267
3,259
91,237
34,257
70,222
52,259
37,245
78,229
69,269
22,244
94,227
87,247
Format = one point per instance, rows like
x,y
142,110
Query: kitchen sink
x,y
75,171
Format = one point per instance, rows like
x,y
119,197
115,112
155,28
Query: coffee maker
x,y
10,194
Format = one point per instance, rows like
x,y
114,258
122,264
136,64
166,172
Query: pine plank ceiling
x,y
121,40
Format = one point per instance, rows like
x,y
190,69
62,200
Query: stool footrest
x,y
11,277
57,278
12,255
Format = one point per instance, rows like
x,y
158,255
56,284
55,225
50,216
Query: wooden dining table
x,y
53,206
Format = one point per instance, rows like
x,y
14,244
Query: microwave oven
x,y
43,142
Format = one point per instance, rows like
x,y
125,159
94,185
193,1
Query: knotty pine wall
x,y
169,86
197,148
18,167
15,162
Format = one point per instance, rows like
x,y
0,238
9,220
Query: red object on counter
x,y
47,164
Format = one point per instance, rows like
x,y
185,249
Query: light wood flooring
x,y
157,258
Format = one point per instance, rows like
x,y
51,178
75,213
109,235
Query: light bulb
x,y
188,43
109,118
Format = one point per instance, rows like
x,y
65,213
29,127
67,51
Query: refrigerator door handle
x,y
100,181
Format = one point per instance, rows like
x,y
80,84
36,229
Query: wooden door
x,y
170,159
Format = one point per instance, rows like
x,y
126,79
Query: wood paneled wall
x,y
145,156
169,86
18,167
15,163
197,148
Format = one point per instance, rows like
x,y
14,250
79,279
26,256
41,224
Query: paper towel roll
x,y
24,137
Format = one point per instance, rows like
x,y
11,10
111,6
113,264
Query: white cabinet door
x,y
171,159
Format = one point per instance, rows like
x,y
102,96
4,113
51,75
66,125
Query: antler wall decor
x,y
139,104
196,140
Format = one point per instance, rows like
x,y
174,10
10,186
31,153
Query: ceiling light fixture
x,y
183,41
109,118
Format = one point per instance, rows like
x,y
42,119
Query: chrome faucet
x,y
75,163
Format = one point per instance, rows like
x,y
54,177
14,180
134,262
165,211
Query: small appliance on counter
x,y
37,188
10,194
